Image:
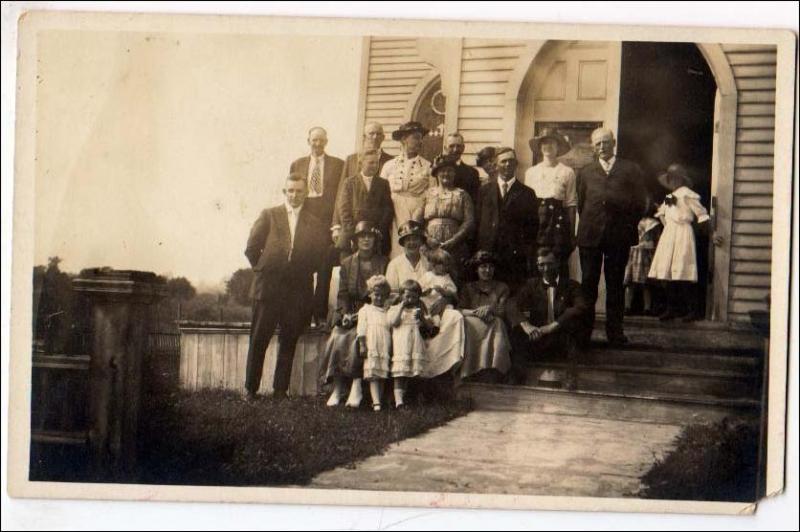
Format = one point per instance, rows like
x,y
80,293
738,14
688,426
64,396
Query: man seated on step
x,y
546,316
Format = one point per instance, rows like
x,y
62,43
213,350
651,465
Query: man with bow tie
x,y
323,173
546,316
611,201
283,249
508,222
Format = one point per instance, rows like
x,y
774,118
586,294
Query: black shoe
x,y
617,339
249,397
280,395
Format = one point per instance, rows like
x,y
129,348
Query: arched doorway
x,y
529,92
430,112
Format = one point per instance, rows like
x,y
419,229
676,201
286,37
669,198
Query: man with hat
x,y
554,185
371,140
364,197
611,201
545,317
409,176
508,221
283,249
323,173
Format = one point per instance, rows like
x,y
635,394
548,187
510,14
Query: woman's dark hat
x,y
408,128
675,177
442,161
365,227
410,228
485,155
551,134
482,257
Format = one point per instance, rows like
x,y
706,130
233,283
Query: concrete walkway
x,y
520,441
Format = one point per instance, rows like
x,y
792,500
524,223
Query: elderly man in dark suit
x,y
546,316
323,173
611,200
364,196
508,222
467,177
372,139
283,249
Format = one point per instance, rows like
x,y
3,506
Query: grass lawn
x,y
215,438
716,462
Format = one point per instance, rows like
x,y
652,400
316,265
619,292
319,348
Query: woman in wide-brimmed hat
x,y
448,214
675,259
341,360
555,186
409,176
482,303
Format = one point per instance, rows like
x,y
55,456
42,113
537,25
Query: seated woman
x,y
341,358
483,304
448,214
445,351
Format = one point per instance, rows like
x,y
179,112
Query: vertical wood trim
x,y
722,172
513,87
363,87
613,87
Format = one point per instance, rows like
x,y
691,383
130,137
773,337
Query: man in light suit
x,y
611,200
323,174
283,250
508,222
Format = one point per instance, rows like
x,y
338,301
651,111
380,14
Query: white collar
x,y
510,182
685,192
291,209
321,158
555,282
367,177
609,163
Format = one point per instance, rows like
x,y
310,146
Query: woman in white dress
x,y
445,351
409,176
556,192
675,259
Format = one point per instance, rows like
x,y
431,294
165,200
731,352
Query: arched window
x,y
430,113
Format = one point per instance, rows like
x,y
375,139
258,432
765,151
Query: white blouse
x,y
556,182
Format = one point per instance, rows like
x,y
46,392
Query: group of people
x,y
445,273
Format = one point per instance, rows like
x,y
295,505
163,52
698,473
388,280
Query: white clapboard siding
x,y
214,357
754,68
486,66
395,71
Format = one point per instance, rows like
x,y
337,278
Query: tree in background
x,y
238,286
181,290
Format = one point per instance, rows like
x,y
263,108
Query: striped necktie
x,y
316,178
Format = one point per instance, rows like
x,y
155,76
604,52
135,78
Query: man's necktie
x,y
504,187
315,178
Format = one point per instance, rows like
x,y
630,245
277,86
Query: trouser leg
x,y
287,342
614,262
591,263
262,327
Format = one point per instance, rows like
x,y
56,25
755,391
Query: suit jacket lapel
x,y
304,162
282,227
513,192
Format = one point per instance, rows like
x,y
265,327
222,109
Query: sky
x,y
158,151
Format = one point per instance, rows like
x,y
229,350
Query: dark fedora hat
x,y
675,177
410,228
552,134
482,257
442,161
408,128
366,227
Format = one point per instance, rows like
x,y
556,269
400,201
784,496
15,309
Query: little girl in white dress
x,y
438,285
408,347
375,337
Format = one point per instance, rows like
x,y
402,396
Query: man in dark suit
x,y
467,177
611,200
371,140
364,197
323,173
545,317
283,249
508,221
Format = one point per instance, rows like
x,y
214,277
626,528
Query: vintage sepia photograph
x,y
401,262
